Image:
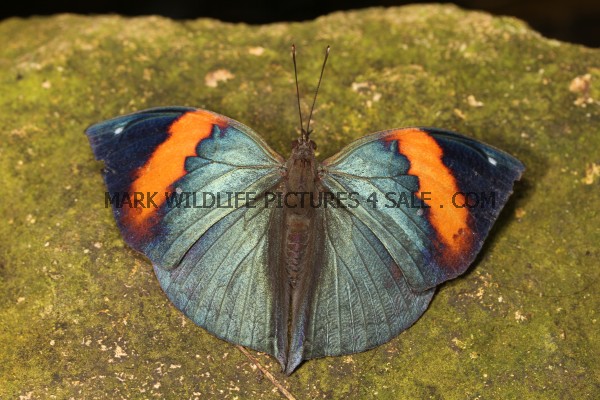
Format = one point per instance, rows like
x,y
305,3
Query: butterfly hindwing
x,y
413,186
361,299
224,283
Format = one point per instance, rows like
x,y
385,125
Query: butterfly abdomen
x,y
297,237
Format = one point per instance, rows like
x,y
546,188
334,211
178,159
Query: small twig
x,y
269,376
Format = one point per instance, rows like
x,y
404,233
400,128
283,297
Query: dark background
x,y
576,21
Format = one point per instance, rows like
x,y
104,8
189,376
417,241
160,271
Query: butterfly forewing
x,y
415,201
193,161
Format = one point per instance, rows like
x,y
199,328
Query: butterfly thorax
x,y
301,178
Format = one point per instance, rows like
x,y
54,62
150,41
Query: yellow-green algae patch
x,y
81,314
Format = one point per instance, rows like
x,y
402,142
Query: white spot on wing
x,y
118,130
492,161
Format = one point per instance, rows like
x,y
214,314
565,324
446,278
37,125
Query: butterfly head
x,y
303,148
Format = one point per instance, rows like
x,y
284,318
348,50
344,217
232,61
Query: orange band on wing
x,y
425,157
167,163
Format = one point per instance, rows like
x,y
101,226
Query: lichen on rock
x,y
82,314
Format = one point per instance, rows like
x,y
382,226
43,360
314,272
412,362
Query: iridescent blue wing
x,y
208,246
438,194
361,298
405,230
229,283
174,153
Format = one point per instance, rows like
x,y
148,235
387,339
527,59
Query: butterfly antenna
x,y
303,132
316,92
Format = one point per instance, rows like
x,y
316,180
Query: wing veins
x,y
390,233
231,278
365,264
387,269
355,285
203,255
236,246
400,209
193,223
213,161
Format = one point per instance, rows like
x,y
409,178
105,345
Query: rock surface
x,y
82,315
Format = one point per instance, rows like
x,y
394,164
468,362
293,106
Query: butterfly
x,y
299,258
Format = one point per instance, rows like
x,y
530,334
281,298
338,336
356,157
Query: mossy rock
x,y
82,315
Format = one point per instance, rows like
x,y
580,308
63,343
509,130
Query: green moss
x,y
82,315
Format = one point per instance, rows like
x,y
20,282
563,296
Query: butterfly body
x,y
300,247
314,261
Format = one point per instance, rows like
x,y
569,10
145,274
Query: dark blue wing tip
x,y
493,155
106,136
110,125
